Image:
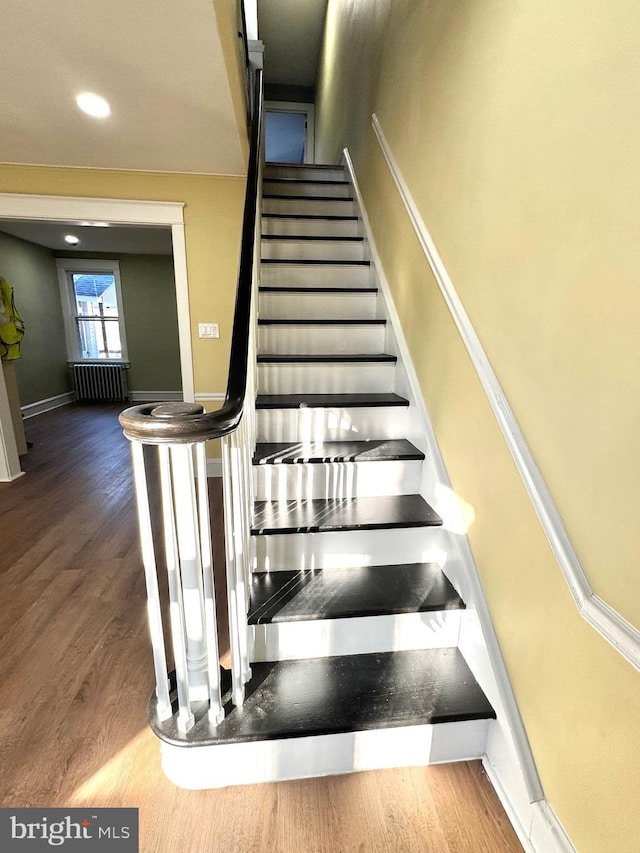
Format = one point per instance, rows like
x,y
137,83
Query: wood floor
x,y
76,675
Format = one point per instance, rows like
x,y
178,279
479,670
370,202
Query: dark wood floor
x,y
76,674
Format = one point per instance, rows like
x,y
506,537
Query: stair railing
x,y
169,463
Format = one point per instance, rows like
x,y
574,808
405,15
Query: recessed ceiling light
x,y
71,238
93,105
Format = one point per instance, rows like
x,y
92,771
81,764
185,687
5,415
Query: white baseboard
x,y
155,396
539,831
46,405
214,467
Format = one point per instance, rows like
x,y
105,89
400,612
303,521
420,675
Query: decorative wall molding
x,y
509,762
490,671
623,636
46,405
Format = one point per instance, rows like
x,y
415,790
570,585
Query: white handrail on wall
x,y
623,636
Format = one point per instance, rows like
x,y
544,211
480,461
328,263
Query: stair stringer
x,y
508,757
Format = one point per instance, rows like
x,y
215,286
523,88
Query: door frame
x,y
119,212
310,111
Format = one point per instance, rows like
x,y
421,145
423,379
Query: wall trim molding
x,y
509,747
46,405
211,396
610,624
155,396
542,830
214,467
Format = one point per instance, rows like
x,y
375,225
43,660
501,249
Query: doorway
x,y
74,210
289,132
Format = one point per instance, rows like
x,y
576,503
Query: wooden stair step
x,y
322,262
319,515
332,217
311,238
328,401
351,358
307,197
288,453
265,321
349,693
349,593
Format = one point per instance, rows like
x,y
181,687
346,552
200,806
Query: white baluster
x,y
176,604
216,711
237,679
188,541
154,609
240,510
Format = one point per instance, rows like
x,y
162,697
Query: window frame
x,y
67,267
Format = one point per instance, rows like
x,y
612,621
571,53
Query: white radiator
x,y
100,382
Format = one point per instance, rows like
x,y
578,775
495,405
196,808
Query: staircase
x,y
353,627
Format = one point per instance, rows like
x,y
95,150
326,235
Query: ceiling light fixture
x,y
71,238
93,105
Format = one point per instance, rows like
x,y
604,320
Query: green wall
x,y
42,370
151,319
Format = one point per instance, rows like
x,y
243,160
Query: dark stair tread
x,y
307,197
350,693
331,183
314,216
374,450
306,322
333,290
333,358
328,401
352,592
315,262
300,238
319,166
321,515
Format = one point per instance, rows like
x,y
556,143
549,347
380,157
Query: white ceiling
x,y
292,34
159,63
115,239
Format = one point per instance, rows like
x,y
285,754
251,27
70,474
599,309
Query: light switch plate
x,y
208,330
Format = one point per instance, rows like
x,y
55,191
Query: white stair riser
x,y
311,227
218,766
336,479
309,207
309,275
317,306
329,250
326,378
336,424
307,187
300,173
345,549
313,340
355,636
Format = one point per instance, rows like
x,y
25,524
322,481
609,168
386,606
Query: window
x,y
92,305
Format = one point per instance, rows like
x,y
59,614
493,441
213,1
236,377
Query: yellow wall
x,y
213,220
515,127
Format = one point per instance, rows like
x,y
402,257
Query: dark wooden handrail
x,y
164,423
